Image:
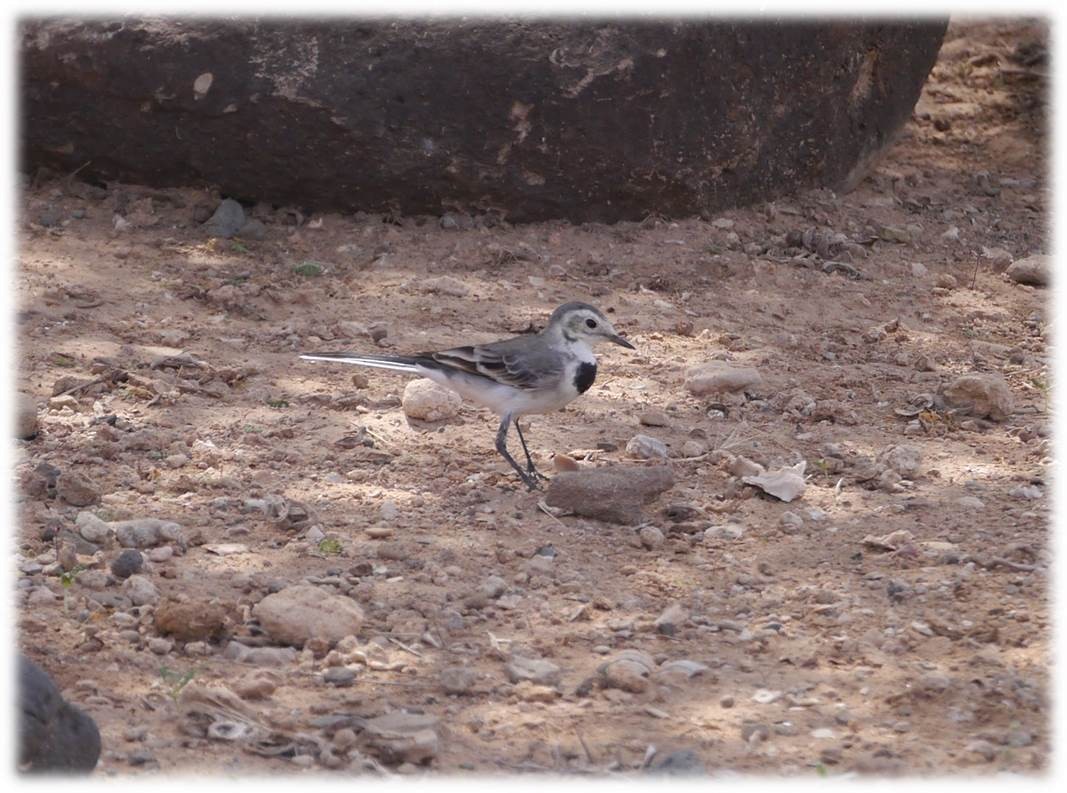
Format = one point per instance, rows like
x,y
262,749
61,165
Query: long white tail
x,y
374,361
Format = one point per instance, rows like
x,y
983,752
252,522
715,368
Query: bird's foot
x,y
531,471
531,481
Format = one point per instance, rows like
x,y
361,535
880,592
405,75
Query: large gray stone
x,y
589,120
54,736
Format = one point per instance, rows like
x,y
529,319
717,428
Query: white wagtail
x,y
515,377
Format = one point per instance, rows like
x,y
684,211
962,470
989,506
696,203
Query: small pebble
x,y
161,554
127,563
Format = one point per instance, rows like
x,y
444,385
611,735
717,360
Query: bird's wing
x,y
525,362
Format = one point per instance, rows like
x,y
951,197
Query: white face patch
x,y
579,325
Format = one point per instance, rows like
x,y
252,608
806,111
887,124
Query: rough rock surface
x,y
534,120
1033,270
302,612
54,736
193,621
982,395
611,494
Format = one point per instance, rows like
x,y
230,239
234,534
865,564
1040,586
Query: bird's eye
x,y
590,323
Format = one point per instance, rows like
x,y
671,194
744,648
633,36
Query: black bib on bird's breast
x,y
584,376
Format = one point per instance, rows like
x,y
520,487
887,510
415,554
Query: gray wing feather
x,y
524,362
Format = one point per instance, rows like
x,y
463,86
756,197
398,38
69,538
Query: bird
x,y
530,374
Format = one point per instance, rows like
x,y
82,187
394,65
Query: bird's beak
x,y
615,337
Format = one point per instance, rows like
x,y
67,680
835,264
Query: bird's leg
x,y
530,468
502,447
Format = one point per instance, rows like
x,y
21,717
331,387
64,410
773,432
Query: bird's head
x,y
581,321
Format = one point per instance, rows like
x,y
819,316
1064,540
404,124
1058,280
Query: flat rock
x,y
303,612
1033,270
785,484
718,377
402,737
982,395
614,494
427,401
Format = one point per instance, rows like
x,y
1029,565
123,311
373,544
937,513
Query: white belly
x,y
504,399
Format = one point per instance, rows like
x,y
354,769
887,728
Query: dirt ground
x,y
813,651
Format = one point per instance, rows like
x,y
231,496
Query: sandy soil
x,y
820,653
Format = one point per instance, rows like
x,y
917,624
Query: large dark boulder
x,y
589,120
54,736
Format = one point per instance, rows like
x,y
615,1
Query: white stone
x,y
645,447
426,400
